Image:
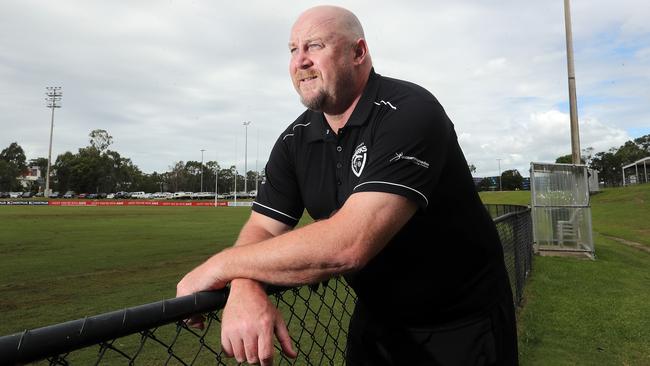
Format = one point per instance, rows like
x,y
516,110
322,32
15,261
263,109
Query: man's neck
x,y
337,121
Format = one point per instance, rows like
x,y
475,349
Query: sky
x,y
168,79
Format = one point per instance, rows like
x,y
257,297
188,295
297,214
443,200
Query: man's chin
x,y
315,103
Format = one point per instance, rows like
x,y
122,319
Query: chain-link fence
x,y
154,334
515,229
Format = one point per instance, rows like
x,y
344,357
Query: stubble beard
x,y
336,101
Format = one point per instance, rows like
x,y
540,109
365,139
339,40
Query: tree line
x,y
97,169
609,163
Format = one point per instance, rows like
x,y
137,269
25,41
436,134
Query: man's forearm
x,y
301,256
250,234
345,242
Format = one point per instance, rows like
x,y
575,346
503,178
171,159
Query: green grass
x,y
63,263
78,261
623,213
582,312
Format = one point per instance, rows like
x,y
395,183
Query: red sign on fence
x,y
92,203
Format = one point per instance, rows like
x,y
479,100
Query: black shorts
x,y
485,340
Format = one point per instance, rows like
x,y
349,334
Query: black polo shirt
x,y
446,263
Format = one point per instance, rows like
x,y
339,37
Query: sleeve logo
x,y
359,159
416,161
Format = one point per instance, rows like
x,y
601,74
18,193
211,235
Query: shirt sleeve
x,y
408,151
279,194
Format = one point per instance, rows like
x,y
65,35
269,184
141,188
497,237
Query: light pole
x,y
235,185
216,183
573,104
246,156
257,156
54,94
202,150
499,161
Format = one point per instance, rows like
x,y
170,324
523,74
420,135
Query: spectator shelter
x,y
637,172
561,211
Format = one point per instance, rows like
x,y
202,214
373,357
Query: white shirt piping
x,y
395,184
294,128
274,210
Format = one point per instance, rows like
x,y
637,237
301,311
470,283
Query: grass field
x,y
581,312
63,263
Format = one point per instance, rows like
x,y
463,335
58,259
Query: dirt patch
x,y
633,244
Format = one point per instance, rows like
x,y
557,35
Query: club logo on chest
x,y
359,159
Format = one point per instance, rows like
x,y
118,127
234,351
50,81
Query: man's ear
x,y
360,51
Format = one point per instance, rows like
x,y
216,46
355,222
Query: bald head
x,y
330,62
341,20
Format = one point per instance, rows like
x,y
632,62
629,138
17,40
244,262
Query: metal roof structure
x,y
637,179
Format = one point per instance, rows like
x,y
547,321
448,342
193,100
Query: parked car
x,y
91,196
54,195
202,195
27,194
122,195
15,194
110,195
4,194
181,195
138,195
69,194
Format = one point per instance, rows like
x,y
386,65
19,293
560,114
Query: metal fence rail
x,y
516,233
154,334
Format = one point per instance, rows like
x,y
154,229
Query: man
x,y
376,163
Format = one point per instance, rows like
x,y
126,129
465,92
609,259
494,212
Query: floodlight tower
x,y
257,157
53,97
202,150
499,161
573,104
246,156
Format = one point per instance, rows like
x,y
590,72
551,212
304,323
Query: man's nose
x,y
301,60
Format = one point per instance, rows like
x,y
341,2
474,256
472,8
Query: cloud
x,y
543,137
168,79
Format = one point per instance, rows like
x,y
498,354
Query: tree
x,y
41,163
564,159
14,166
630,152
608,166
472,168
511,180
100,140
644,143
63,171
7,177
568,159
177,176
488,183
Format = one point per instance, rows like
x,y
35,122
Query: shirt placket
x,y
340,165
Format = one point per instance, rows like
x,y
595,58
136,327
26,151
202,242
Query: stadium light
x,y
202,150
573,104
499,161
257,157
53,97
246,156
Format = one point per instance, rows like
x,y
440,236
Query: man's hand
x,y
202,278
248,324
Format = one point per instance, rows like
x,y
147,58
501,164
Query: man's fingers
x,y
196,321
238,350
250,348
226,346
282,333
265,347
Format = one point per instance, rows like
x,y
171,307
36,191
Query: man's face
x,y
321,65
